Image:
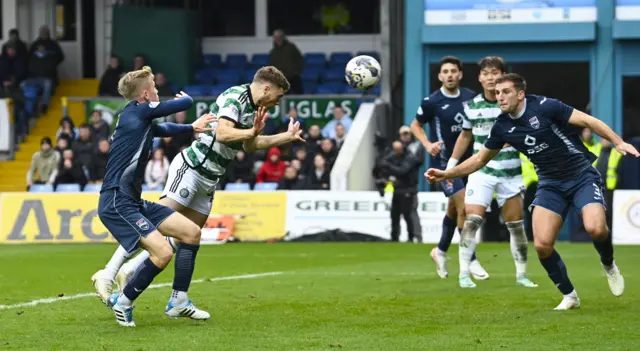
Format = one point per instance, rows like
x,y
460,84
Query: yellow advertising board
x,y
73,218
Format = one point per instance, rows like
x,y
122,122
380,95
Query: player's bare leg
x,y
474,218
594,219
512,213
546,226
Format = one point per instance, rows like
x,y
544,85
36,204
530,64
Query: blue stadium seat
x,y
206,75
236,60
229,77
196,90
247,75
41,188
145,187
309,87
376,90
311,74
265,187
350,90
340,58
212,60
218,89
260,60
333,75
373,54
92,188
331,88
68,188
315,59
237,187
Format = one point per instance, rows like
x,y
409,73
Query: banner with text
x,y
628,10
312,212
626,217
311,110
65,218
456,12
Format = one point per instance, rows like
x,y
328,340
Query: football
x,y
362,72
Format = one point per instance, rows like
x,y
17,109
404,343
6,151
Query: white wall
x,y
9,17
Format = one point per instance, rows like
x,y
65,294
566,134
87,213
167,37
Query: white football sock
x,y
137,261
468,242
179,298
519,246
116,261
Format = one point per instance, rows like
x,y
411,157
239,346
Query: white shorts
x,y
188,187
480,189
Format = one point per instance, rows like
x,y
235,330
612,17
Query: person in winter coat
x,y
272,169
286,57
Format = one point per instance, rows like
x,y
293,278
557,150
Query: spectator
x,y
341,136
329,152
42,74
275,126
164,88
13,68
306,162
241,169
109,80
318,178
44,164
139,61
62,144
99,164
272,169
67,128
295,163
155,176
52,48
169,147
286,57
17,43
414,147
313,139
99,127
290,180
12,72
83,148
70,171
329,130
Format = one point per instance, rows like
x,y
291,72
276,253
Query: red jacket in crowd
x,y
272,169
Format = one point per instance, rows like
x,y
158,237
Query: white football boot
x,y
569,302
615,279
190,311
477,271
103,286
441,263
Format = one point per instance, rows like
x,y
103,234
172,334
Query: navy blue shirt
x,y
542,132
444,115
132,142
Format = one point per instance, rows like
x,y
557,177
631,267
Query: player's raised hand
x,y
294,130
201,125
434,148
434,175
180,94
260,120
627,149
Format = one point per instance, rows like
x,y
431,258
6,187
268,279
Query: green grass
x,y
328,297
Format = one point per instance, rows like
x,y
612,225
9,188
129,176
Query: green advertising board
x,y
311,109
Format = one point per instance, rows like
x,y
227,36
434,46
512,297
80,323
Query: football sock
x,y
116,261
557,271
519,246
139,282
605,249
184,265
468,242
448,230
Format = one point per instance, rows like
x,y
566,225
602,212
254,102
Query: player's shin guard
x,y
519,246
468,242
184,265
557,271
605,249
140,281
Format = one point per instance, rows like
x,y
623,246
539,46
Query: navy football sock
x,y
185,263
141,280
605,249
557,271
448,229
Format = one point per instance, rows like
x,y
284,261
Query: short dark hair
x,y
518,81
14,31
270,74
452,60
493,62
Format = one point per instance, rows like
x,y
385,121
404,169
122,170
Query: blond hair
x,y
270,74
131,84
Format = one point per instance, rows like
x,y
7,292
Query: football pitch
x,y
312,296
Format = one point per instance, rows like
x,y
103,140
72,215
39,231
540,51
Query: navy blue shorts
x,y
559,195
451,189
128,219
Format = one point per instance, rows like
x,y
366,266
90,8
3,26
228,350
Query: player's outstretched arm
x,y
182,102
582,119
417,129
262,142
462,144
467,167
226,132
201,125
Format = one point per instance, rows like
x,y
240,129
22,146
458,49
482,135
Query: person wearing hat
x,y
44,164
